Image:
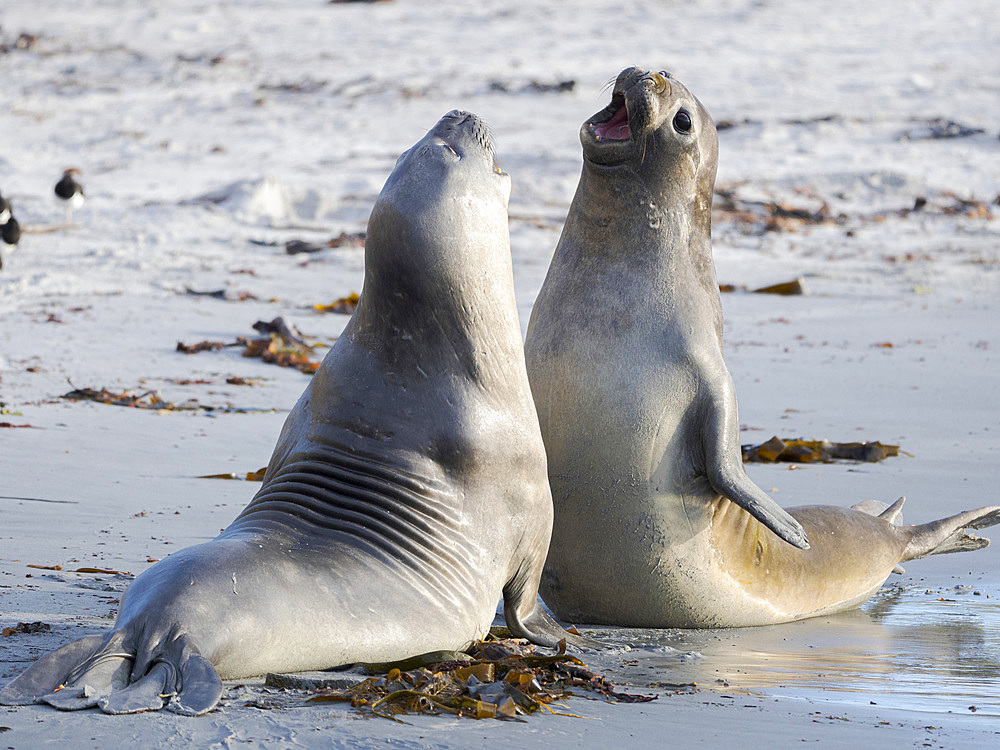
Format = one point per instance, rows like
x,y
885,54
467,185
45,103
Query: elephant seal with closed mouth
x,y
407,491
656,523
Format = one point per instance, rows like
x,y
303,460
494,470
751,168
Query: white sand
x,y
132,97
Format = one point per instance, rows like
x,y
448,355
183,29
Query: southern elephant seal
x,y
407,491
656,523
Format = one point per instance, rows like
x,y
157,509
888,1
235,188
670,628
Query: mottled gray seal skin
x,y
656,523
406,494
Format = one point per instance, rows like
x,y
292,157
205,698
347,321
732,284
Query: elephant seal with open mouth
x,y
656,522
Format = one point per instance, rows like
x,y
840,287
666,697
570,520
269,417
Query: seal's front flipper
x,y
949,534
50,672
890,513
724,467
541,629
526,619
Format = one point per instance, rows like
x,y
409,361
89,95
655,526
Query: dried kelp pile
x,y
816,451
146,400
494,679
26,627
344,306
250,476
783,288
150,400
344,239
755,217
283,346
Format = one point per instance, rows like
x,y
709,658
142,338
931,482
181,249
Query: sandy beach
x,y
859,152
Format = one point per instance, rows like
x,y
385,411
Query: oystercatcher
x,y
70,191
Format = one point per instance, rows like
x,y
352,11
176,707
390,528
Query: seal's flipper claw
x,y
201,687
146,694
49,672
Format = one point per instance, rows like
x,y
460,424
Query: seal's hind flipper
x,y
201,687
949,534
96,671
145,694
106,671
178,677
890,513
49,672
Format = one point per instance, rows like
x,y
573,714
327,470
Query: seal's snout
x,y
619,131
628,77
634,87
483,133
459,120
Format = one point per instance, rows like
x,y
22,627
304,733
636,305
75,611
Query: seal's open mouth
x,y
608,135
617,128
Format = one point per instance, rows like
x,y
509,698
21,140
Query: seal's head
x,y
656,128
449,180
444,207
437,251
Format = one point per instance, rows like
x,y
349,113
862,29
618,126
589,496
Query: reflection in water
x,y
907,648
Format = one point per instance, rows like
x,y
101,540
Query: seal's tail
x,y
950,534
98,671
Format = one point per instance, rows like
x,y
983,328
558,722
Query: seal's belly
x,y
701,561
851,555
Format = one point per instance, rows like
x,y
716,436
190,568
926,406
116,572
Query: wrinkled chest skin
x,y
655,522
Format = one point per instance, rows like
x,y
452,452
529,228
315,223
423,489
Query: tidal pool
x,y
928,650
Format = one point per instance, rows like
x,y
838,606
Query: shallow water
x,y
927,650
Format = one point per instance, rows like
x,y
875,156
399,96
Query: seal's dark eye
x,y
682,122
664,73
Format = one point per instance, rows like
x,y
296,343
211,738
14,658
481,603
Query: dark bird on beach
x,y
11,231
70,191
